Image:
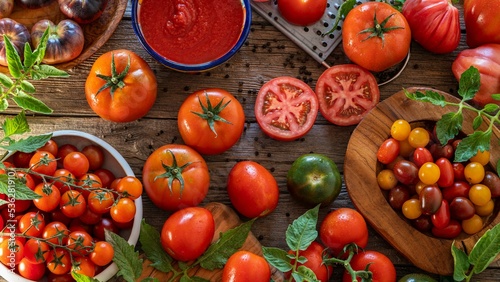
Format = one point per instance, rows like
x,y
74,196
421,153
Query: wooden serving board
x,y
225,219
361,166
96,33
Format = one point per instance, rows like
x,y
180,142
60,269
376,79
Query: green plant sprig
x,y
450,124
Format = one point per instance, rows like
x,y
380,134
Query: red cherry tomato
x,y
302,12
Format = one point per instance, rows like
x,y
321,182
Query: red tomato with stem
x,y
187,233
123,93
380,265
482,23
486,59
43,162
302,12
252,189
315,254
376,36
434,24
246,266
346,93
175,176
286,108
211,121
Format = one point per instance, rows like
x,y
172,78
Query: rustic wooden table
x,y
267,54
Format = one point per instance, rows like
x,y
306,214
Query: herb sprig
x,y
450,124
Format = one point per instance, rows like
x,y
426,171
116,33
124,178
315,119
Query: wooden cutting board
x,y
225,219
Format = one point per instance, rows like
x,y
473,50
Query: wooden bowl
x,y
424,251
96,33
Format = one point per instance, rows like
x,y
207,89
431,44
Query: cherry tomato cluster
x,y
437,194
62,231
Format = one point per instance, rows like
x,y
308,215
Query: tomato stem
x,y
115,80
379,29
173,172
212,114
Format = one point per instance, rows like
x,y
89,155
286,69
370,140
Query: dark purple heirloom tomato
x,y
82,11
17,33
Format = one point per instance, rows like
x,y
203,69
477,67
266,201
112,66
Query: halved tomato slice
x,y
346,93
286,108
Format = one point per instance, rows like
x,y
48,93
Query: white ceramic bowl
x,y
114,162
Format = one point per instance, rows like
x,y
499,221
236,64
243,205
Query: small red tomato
x,y
246,266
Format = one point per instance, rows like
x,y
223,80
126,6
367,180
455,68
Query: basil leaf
x,y
460,263
126,258
277,258
470,145
229,242
150,244
302,232
469,83
13,60
31,103
448,127
29,144
486,249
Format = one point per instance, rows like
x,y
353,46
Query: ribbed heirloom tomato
x,y
211,121
175,176
376,36
121,87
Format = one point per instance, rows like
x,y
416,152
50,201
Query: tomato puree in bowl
x,y
191,31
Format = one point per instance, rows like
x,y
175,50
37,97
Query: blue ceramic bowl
x,y
136,6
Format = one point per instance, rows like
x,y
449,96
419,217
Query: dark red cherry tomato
x,y
430,199
447,176
451,231
441,218
406,172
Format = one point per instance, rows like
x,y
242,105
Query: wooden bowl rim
x,y
428,253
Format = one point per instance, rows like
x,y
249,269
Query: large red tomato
x,y
122,91
314,255
245,266
382,268
286,108
175,176
346,93
211,121
482,22
187,233
435,24
376,36
302,12
486,59
252,189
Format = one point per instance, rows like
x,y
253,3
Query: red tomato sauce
x,y
191,31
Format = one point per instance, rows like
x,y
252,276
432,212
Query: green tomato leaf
x,y
277,258
151,245
5,80
304,273
495,97
27,87
429,97
344,9
29,57
3,202
16,125
4,104
476,123
42,46
491,108
13,60
29,144
15,188
83,278
302,232
469,83
448,126
187,278
46,71
470,145
126,258
28,102
150,279
460,263
486,249
229,242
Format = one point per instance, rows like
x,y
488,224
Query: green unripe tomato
x,y
417,277
314,179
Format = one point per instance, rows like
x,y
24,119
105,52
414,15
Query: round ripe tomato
x,y
314,255
100,201
130,187
187,233
51,147
32,224
43,162
417,277
50,197
83,265
77,163
482,24
11,251
55,232
286,108
60,277
104,224
492,180
388,151
79,243
30,270
341,227
72,204
63,151
376,36
126,97
106,177
434,24
346,93
123,211
22,159
102,254
59,261
90,217
314,179
36,251
246,266
452,230
175,176
302,12
380,265
62,179
95,155
211,121
252,189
